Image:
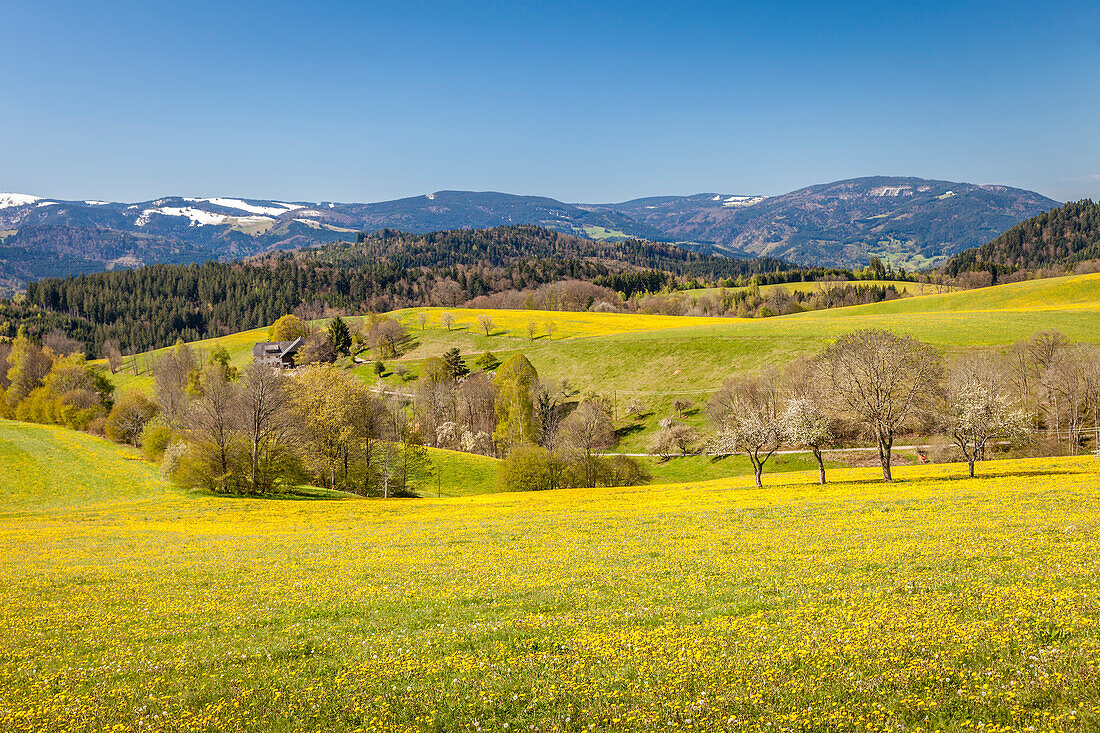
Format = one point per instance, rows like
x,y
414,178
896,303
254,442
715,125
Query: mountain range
x,y
911,222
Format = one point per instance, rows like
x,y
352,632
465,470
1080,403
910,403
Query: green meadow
x,y
655,359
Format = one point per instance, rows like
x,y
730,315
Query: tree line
x,y
152,307
264,430
1061,238
1043,392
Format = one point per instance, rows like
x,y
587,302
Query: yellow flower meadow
x,y
935,603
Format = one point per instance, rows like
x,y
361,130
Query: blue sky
x,y
586,101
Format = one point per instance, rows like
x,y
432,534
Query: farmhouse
x,y
276,353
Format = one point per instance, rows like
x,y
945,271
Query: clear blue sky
x,y
585,101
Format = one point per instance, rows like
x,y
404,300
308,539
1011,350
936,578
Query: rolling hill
x,y
654,359
131,605
910,221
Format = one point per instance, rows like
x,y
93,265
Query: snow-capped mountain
x,y
910,220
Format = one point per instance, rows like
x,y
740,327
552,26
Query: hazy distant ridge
x,y
911,221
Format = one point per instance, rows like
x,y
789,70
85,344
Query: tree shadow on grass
x,y
300,493
630,429
951,478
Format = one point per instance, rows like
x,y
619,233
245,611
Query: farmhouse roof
x,y
276,348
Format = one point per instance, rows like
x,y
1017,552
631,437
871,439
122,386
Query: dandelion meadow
x,y
936,603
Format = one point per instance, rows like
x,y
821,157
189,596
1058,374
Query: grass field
x,y
462,474
653,359
902,286
936,603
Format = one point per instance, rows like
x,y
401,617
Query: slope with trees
x,y
154,306
1062,238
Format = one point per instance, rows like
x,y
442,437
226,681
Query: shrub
x,y
128,417
170,460
530,468
625,471
155,437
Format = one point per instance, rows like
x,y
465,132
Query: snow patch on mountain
x,y
97,203
278,210
197,216
8,200
246,220
740,201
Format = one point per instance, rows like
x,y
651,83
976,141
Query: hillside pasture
x,y
910,289
654,359
935,603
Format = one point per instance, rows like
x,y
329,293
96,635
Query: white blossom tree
x,y
979,411
748,410
805,423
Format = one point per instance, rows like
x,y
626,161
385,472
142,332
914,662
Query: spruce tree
x,y
339,336
456,367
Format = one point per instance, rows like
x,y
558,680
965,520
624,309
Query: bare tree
x,y
662,444
265,405
548,409
173,372
112,352
448,293
61,343
447,320
389,338
748,410
883,381
979,409
486,322
586,432
422,319
476,413
680,404
1090,356
211,423
1042,351
683,437
1067,384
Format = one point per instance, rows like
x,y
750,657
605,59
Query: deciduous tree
x,y
516,380
979,409
747,411
287,328
585,433
883,381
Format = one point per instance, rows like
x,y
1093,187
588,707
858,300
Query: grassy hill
x,y
947,603
654,359
902,286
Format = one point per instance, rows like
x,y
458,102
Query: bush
x,y
626,471
155,437
530,468
128,417
170,460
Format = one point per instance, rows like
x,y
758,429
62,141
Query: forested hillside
x,y
153,306
1063,236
